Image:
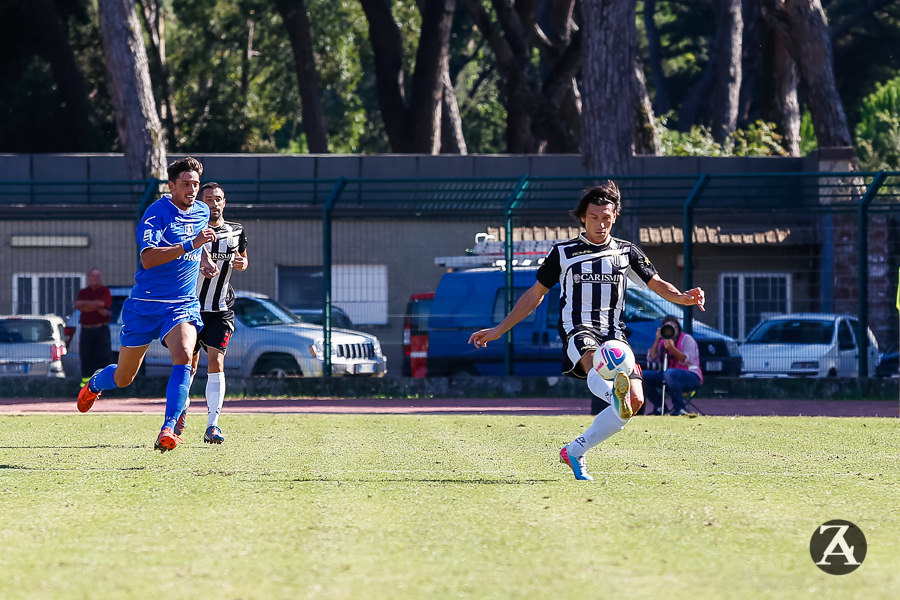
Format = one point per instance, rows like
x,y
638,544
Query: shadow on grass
x,y
477,481
85,447
24,468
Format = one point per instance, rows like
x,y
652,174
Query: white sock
x,y
599,386
215,397
605,425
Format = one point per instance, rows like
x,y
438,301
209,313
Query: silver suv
x,y
32,345
270,340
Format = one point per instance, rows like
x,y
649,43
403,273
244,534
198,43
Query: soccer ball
x,y
611,357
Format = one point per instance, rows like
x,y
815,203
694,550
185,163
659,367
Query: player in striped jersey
x,y
592,272
229,253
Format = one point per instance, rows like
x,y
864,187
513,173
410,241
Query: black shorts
x,y
581,341
217,329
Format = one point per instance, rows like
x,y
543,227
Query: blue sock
x,y
104,380
177,393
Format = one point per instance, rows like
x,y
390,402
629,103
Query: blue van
x,y
469,300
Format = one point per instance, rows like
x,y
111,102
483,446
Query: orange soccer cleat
x,y
167,440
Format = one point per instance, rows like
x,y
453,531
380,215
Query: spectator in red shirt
x,y
94,302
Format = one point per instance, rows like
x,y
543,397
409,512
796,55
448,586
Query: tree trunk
x,y
413,126
646,137
804,24
140,134
387,48
661,102
296,22
154,20
607,77
714,99
427,90
452,139
787,103
727,65
752,48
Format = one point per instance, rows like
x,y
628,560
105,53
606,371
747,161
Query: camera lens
x,y
667,331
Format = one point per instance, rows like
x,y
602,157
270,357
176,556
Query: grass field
x,y
362,506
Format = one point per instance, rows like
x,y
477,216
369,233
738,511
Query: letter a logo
x,y
838,547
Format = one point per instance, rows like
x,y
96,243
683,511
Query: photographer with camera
x,y
680,373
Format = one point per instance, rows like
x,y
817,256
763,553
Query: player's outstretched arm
x,y
693,297
524,307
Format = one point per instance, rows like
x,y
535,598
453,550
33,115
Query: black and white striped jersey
x,y
592,280
215,293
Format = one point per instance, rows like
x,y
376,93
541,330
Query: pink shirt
x,y
688,346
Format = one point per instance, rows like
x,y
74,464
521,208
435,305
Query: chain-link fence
x,y
346,256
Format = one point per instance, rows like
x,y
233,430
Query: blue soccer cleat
x,y
577,465
213,435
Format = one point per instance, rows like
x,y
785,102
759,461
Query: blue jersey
x,y
164,224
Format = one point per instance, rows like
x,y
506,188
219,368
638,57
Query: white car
x,y
806,345
269,340
32,345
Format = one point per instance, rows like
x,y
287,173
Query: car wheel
x,y
276,366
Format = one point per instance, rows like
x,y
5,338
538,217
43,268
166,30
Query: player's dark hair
x,y
605,193
210,185
184,165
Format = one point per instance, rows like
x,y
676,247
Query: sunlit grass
x,y
362,506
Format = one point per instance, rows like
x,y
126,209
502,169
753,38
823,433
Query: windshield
x,y
317,317
646,305
792,331
23,331
257,312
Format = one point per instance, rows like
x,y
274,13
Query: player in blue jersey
x,y
163,302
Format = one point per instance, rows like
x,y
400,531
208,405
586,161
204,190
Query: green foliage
x,y
878,131
759,139
808,141
442,506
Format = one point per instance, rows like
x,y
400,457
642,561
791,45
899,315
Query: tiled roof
x,y
714,235
658,235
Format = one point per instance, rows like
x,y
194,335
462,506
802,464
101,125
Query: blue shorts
x,y
144,321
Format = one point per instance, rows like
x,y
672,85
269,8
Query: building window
x,y
747,298
360,290
45,293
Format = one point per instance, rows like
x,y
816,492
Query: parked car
x,y
316,316
466,301
806,345
888,363
269,340
32,345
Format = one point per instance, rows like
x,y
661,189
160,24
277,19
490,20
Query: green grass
x,y
362,506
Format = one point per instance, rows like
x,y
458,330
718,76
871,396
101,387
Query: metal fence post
x,y
511,205
863,268
689,203
327,210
